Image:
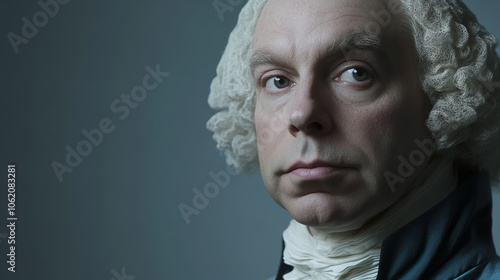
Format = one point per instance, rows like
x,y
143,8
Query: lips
x,y
314,170
312,165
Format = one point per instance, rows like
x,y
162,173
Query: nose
x,y
310,111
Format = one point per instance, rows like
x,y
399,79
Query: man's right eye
x,y
277,83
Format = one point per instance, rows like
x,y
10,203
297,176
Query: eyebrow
x,y
352,41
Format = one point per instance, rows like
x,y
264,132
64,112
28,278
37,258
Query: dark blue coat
x,y
452,240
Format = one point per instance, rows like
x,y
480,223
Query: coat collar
x,y
447,241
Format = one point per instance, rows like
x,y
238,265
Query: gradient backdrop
x,y
116,215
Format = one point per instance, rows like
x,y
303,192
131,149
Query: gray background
x,y
119,207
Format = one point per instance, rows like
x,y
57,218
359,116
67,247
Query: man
x,y
375,125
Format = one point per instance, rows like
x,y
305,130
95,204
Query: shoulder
x,y
484,271
492,269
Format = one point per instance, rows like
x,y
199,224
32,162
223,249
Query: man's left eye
x,y
355,75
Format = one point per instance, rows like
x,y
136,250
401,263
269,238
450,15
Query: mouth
x,y
314,170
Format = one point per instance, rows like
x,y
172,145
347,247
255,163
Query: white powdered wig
x,y
459,71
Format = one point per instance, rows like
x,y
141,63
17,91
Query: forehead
x,y
303,27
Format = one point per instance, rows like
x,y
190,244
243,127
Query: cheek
x,y
387,131
270,128
373,129
262,132
265,147
265,143
271,132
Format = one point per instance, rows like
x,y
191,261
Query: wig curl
x,y
459,72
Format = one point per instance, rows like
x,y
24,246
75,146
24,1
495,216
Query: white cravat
x,y
321,257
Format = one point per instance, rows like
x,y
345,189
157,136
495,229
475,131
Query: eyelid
x,y
355,64
263,70
267,75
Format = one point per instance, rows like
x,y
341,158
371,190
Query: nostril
x,y
293,129
311,128
316,126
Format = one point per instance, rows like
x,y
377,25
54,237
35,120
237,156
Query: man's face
x,y
336,105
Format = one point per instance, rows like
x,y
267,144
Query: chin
x,y
324,211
